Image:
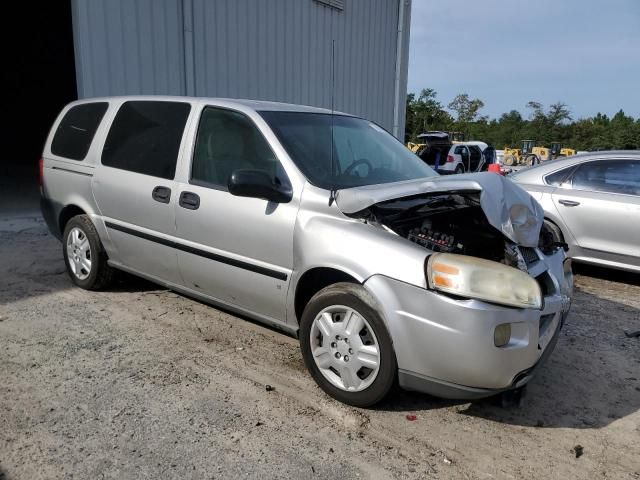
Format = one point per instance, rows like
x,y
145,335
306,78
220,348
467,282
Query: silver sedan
x,y
592,203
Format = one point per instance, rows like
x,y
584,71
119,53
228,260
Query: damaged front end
x,y
498,288
470,224
456,223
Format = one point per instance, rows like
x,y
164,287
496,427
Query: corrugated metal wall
x,y
262,49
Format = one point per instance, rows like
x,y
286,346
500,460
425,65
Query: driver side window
x,y
227,141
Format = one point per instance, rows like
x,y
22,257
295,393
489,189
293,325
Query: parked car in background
x,y
448,158
320,224
591,202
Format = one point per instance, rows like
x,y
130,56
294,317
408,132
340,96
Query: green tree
x,y
466,110
425,113
545,125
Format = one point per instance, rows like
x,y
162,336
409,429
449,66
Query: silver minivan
x,y
317,223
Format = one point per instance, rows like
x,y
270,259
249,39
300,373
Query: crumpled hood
x,y
507,206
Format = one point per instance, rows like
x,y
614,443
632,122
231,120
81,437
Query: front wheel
x,y
346,346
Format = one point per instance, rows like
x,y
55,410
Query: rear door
x,y
463,153
237,250
135,189
475,158
600,204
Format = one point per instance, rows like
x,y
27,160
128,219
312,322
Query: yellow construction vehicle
x,y
415,147
558,151
529,154
542,153
521,156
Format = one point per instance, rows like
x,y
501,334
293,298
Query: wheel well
x,y
67,214
315,280
547,219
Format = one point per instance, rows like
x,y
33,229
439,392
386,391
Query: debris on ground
x,y
411,418
269,388
578,450
447,460
632,334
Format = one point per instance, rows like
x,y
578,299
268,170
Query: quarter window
x,y
145,137
610,176
229,141
556,178
76,130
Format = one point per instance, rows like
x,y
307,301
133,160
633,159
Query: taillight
x,y
40,171
450,159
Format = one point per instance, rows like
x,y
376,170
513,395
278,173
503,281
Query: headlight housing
x,y
474,277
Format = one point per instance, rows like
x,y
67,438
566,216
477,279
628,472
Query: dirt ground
x,y
139,382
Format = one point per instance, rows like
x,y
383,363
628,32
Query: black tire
x,y
532,160
357,298
100,274
459,169
555,231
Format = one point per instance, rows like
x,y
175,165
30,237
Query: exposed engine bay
x,y
454,223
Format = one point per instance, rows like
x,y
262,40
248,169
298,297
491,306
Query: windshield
x,y
363,152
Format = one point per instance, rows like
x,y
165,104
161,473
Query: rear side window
x,y
145,137
76,130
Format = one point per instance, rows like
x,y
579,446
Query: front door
x,y
135,189
239,250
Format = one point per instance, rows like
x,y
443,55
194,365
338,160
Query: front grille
x,y
529,254
546,284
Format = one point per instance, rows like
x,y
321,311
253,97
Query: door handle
x,y
189,200
161,194
569,203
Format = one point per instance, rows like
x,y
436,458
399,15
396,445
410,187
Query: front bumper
x,y
445,346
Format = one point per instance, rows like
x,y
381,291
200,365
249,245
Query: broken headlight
x,y
482,279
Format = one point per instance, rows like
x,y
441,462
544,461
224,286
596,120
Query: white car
x,y
462,157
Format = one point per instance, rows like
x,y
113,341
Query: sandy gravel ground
x,y
139,382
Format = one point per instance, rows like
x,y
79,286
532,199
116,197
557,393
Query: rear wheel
x,y
346,346
84,255
459,169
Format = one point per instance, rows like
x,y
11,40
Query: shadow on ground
x,y
618,276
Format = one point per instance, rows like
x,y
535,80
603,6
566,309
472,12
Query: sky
x,y
585,53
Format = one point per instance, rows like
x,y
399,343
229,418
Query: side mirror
x,y
258,184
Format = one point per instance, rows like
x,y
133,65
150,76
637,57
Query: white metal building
x,y
260,49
